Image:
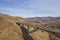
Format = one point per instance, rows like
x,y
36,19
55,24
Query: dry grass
x,y
8,29
39,35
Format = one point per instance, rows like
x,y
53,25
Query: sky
x,y
30,8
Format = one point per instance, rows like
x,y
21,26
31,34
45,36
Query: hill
x,y
43,21
9,30
42,18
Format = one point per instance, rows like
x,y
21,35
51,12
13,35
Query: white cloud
x,y
34,8
17,12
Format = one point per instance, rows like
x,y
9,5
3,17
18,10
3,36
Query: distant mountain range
x,y
42,18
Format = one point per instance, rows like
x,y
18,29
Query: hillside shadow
x,y
26,35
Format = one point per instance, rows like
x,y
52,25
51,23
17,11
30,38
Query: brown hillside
x,y
8,29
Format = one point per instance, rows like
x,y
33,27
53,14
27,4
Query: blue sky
x,y
30,8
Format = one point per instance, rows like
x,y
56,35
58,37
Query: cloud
x,y
28,8
17,12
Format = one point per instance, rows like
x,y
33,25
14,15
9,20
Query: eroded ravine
x,y
38,35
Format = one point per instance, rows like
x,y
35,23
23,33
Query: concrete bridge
x,y
31,28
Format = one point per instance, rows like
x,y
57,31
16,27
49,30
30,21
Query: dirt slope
x,y
39,35
9,30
